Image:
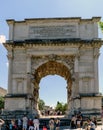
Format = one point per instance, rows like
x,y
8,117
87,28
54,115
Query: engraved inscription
x,y
52,31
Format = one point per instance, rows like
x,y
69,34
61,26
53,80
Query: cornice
x,y
69,19
54,42
10,21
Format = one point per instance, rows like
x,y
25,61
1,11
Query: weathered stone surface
x,y
3,91
68,47
54,28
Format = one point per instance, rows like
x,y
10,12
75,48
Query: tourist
x,y
57,124
73,122
19,124
91,125
12,125
30,124
31,128
51,124
94,120
1,123
36,123
79,122
25,122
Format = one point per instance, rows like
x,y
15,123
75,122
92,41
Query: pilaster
x,y
96,80
28,72
28,63
10,58
76,74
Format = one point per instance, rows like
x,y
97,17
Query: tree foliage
x,y
101,25
1,102
61,107
41,104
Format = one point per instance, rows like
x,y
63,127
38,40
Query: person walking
x,y
57,124
30,124
94,120
25,122
73,122
51,124
36,123
1,123
12,125
91,125
79,122
19,124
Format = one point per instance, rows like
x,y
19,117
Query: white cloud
x,y
7,64
2,39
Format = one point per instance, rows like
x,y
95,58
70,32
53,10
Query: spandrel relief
x,y
37,60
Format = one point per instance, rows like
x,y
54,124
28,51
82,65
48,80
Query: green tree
x,y
41,104
61,107
101,26
64,108
1,102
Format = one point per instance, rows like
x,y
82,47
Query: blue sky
x,y
21,9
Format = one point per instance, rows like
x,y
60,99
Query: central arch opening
x,y
52,90
52,68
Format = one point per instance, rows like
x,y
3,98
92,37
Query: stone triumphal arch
x,y
68,47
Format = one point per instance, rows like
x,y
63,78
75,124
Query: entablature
x,y
76,43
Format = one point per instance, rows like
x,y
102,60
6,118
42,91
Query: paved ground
x,y
53,116
67,128
98,128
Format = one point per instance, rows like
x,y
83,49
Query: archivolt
x,y
52,68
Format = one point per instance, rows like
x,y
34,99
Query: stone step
x,y
63,122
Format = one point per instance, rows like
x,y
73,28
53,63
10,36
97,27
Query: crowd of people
x,y
54,124
30,124
22,124
78,122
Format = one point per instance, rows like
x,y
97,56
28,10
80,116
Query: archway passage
x,y
51,68
52,92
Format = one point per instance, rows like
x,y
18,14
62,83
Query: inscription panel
x,y
52,31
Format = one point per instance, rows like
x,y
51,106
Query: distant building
x,y
3,91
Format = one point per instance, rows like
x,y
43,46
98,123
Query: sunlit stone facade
x,y
68,47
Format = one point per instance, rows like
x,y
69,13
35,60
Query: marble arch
x,y
68,47
52,68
